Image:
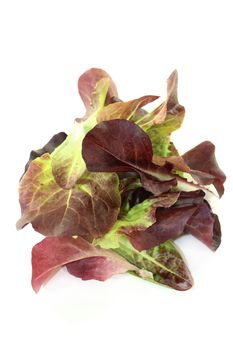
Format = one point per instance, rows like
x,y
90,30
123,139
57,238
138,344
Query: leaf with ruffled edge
x,y
163,120
204,167
189,214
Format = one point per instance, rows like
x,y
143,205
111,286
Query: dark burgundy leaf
x,y
217,234
204,167
130,149
189,198
50,146
170,223
155,186
205,226
190,214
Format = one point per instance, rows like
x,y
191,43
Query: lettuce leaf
x,y
204,167
50,146
135,222
90,208
130,149
124,110
67,162
170,223
165,119
163,264
52,253
205,226
89,93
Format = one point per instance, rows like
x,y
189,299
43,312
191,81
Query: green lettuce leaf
x,y
67,162
90,208
163,264
137,219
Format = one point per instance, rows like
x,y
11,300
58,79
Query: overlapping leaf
x,y
52,253
189,214
130,149
164,119
163,264
50,146
67,162
90,208
204,167
124,110
97,89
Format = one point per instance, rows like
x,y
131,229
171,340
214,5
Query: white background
x,y
45,47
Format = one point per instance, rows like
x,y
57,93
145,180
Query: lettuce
x,y
90,207
113,195
52,253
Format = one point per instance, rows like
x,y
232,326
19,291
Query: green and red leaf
x,y
51,254
89,209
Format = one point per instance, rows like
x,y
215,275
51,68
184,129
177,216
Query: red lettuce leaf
x,y
130,149
87,85
170,107
190,214
151,184
170,223
124,110
189,198
89,209
169,255
165,119
52,253
204,167
205,226
96,267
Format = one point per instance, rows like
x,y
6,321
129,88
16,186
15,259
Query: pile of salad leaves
x,y
113,195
